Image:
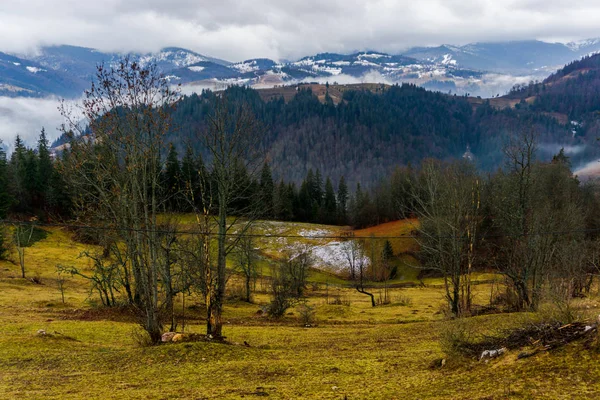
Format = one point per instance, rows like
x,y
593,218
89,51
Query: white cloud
x,y
26,117
237,30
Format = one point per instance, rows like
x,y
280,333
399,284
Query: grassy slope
x,y
354,350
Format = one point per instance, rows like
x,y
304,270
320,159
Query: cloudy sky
x,y
287,29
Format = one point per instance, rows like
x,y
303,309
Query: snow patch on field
x,y
309,233
333,256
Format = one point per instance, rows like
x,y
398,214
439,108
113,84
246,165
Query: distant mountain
x,y
479,68
515,57
22,77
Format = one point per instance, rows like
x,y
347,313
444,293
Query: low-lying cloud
x,y
26,116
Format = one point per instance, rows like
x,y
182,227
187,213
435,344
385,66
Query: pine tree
x,y
192,169
329,203
44,173
172,180
267,189
342,201
5,197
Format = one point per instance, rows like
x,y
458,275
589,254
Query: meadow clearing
x,y
350,350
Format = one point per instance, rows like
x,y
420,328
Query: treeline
x,y
30,183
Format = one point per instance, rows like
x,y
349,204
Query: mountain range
x,y
479,68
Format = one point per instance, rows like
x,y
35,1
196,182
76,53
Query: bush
x,y
281,299
404,300
457,337
307,314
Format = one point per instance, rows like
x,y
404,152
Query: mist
x,y
26,117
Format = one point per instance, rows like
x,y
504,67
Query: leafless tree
x,y
531,203
246,260
231,142
114,165
447,203
358,266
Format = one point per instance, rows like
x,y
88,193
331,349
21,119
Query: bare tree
x,y
114,164
246,259
288,280
358,265
530,201
447,203
229,205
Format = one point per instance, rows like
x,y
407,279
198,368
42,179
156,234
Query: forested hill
x,y
370,132
572,95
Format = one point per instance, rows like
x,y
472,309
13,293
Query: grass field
x,y
351,350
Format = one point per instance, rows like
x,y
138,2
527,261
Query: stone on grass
x,y
177,338
167,337
493,353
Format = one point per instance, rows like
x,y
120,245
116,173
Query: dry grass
x,y
354,350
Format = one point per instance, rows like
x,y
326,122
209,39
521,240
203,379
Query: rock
x,y
41,332
167,337
437,363
178,337
493,353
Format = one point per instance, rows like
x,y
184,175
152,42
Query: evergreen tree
x,y
267,190
5,197
172,180
45,170
329,203
192,168
342,201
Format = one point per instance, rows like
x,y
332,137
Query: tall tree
x,y
448,207
342,200
45,170
115,168
267,189
231,140
5,197
172,180
329,204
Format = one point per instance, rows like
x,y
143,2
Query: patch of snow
x,y
341,63
314,232
333,256
196,68
35,70
16,63
247,66
172,77
373,55
576,45
365,63
448,60
178,58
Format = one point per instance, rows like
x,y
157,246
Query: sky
x,y
287,29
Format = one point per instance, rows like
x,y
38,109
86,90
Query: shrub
x,y
307,314
404,300
457,337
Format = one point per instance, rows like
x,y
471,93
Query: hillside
x,y
77,350
371,131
